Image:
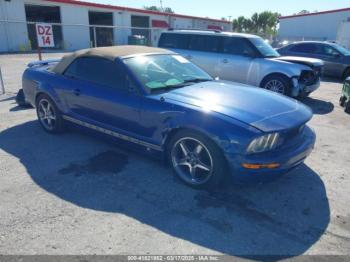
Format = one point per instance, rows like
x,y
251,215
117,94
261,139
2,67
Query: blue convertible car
x,y
208,129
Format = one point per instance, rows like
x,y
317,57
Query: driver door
x,y
98,94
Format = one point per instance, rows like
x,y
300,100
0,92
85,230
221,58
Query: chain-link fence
x,y
20,36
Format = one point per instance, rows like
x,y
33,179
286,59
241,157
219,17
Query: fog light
x,y
259,166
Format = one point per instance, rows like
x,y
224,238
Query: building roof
x,y
210,32
316,13
110,52
121,8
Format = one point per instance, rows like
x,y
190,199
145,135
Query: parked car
x,y
246,59
336,58
161,102
344,100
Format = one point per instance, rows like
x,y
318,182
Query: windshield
x,y
157,72
341,49
264,48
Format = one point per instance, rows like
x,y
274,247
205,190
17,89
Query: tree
x,y
241,24
303,12
264,24
159,9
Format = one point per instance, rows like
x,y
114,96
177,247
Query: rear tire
x,y
49,116
196,160
277,83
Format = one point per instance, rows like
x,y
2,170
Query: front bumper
x,y
300,88
287,159
310,88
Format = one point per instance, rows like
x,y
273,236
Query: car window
x,y
263,47
237,46
327,50
171,40
304,48
163,72
97,70
205,43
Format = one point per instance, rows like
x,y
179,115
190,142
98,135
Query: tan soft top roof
x,y
110,52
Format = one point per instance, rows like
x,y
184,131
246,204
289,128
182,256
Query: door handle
x,y
76,91
189,57
225,61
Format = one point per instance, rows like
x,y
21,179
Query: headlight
x,y
263,143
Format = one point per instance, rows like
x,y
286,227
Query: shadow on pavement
x,y
284,218
332,80
20,108
318,106
8,99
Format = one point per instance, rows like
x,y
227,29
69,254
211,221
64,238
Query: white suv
x,y
246,59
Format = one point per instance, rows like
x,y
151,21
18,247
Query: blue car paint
x,y
231,114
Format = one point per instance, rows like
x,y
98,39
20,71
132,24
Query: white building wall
x,y
3,32
76,33
123,22
182,23
14,36
312,27
75,20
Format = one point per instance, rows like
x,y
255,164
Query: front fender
x,y
268,67
231,135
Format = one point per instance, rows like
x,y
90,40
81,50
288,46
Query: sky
x,y
233,8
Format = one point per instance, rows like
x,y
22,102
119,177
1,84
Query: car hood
x,y
312,62
259,108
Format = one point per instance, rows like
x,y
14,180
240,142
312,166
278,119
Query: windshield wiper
x,y
186,82
197,80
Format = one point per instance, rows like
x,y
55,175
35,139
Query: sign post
x,y
2,87
44,36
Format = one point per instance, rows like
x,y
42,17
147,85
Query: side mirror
x,y
336,55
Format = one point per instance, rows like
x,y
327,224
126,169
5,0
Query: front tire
x,y
50,118
342,100
196,160
347,107
346,74
277,83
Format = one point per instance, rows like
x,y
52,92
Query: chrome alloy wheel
x,y
192,161
46,114
275,86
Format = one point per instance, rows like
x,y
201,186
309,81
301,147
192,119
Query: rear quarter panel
x,y
38,80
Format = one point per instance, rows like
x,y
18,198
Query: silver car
x,y
246,59
335,57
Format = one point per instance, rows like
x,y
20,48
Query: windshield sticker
x,y
181,59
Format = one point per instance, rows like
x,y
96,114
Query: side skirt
x,y
112,133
